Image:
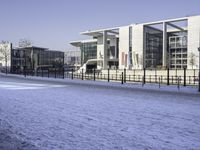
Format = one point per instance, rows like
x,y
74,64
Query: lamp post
x,y
199,69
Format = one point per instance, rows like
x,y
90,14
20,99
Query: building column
x,y
164,44
105,49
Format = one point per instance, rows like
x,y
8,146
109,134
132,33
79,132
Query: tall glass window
x,y
177,48
88,51
154,45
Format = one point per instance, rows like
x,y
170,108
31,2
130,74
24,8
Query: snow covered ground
x,y
44,114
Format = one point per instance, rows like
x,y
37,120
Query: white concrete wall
x,y
100,51
123,46
193,39
137,45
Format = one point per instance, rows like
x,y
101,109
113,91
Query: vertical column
x,y
116,46
164,44
105,47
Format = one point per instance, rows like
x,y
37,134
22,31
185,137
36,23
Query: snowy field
x,y
49,115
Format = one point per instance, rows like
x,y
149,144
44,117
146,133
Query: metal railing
x,y
165,77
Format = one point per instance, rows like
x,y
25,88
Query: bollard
x,y
122,79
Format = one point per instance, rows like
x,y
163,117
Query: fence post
x,y
178,83
143,81
144,77
63,72
116,75
194,76
48,72
72,73
37,72
167,76
42,72
124,75
184,83
24,71
122,78
94,75
108,75
155,75
82,74
159,82
6,69
55,72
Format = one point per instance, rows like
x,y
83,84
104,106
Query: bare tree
x,y
5,53
192,59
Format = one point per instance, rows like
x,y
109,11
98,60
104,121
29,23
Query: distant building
x,y
170,43
73,58
34,58
29,58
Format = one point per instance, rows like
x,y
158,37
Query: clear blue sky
x,y
54,23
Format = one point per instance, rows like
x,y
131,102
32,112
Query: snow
x,y
65,114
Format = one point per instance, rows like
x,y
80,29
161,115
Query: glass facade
x,y
177,49
33,57
88,51
153,47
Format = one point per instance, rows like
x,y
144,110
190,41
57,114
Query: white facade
x,y
193,39
135,48
137,45
123,47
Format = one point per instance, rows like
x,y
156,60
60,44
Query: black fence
x,y
121,76
124,77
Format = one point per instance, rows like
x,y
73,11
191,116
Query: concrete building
x,y
171,43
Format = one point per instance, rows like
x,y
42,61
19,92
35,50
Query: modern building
x,y
31,58
171,43
73,59
34,58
